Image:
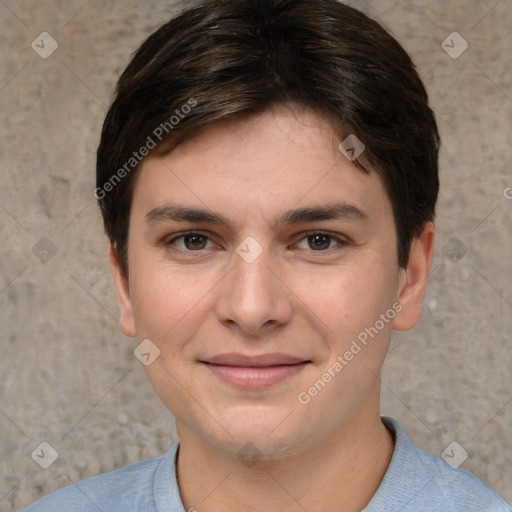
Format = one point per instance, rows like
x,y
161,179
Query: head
x,y
248,111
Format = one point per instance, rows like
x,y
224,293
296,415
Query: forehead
x,y
260,165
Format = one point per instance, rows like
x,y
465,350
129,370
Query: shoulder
x,y
419,481
128,488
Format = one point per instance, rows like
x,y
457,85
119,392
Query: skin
x,y
196,298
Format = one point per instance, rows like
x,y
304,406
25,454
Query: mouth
x,y
254,372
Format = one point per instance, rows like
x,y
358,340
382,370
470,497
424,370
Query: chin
x,y
268,436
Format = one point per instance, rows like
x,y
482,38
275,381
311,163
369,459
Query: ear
x,y
126,320
413,279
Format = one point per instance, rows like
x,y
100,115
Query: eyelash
x,y
342,242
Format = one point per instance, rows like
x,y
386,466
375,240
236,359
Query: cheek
x,y
175,309
348,296
165,301
350,305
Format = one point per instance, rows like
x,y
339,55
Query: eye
x,y
320,241
195,241
192,241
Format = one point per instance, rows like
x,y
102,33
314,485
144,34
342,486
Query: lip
x,y
254,372
234,359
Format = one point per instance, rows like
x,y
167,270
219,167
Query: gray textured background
x,y
70,378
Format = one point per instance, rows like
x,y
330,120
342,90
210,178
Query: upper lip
x,y
233,359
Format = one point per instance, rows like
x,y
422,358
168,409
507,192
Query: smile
x,y
254,372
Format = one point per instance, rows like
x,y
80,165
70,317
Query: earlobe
x,y
126,320
414,279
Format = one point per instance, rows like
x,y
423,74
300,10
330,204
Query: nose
x,y
253,296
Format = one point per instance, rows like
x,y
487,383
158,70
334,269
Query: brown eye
x,y
194,242
319,241
189,242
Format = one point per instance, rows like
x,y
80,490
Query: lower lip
x,y
255,377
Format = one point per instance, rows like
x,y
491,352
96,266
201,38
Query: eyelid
x,y
176,236
340,239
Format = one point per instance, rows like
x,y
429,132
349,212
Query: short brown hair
x,y
225,58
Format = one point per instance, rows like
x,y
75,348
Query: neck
x,y
342,472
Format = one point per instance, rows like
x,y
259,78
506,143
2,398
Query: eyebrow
x,y
333,211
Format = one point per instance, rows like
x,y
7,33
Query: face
x,y
263,265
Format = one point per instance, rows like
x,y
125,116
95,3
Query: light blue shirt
x,y
415,481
